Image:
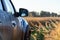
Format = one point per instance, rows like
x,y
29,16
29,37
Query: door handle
x,y
14,24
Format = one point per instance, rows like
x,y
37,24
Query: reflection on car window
x,y
1,8
9,6
23,14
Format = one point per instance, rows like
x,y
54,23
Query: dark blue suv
x,y
12,25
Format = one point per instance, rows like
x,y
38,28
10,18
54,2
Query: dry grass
x,y
50,27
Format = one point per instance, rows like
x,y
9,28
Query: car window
x,y
1,8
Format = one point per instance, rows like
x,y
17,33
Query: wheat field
x,y
44,28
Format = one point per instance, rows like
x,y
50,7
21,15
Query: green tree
x,y
45,14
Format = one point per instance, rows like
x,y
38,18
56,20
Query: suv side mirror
x,y
23,12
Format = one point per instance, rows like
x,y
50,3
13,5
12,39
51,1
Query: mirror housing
x,y
16,14
23,12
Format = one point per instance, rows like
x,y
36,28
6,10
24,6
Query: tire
x,y
0,38
27,33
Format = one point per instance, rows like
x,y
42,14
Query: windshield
x,y
8,6
1,8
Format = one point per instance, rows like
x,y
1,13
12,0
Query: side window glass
x,y
1,8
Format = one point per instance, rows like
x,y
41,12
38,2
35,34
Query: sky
x,y
38,5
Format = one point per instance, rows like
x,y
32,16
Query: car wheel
x,y
0,38
27,34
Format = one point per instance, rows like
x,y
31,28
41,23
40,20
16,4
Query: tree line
x,y
43,14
